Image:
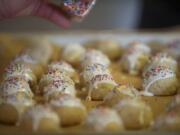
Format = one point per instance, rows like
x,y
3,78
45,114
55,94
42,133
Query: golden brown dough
x,y
39,118
135,58
103,119
118,93
160,80
72,53
69,109
11,107
135,113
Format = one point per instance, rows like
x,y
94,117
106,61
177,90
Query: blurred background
x,y
111,14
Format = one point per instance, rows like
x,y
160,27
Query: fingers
x,y
52,13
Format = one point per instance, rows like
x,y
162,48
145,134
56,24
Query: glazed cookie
x,y
21,70
103,119
109,47
135,58
14,86
54,83
72,53
118,93
160,80
94,56
173,49
69,109
162,59
27,59
40,50
169,121
58,87
98,81
135,113
39,118
11,107
66,68
77,9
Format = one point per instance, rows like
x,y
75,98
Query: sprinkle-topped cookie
x,y
94,56
77,8
155,74
96,73
13,85
162,59
59,86
56,75
61,66
94,69
18,69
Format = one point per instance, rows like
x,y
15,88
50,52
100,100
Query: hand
x,y
41,8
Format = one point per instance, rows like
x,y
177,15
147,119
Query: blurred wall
x,y
107,14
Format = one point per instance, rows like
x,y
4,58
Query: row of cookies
x,y
19,85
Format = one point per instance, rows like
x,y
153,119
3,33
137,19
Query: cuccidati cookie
x,y
103,119
109,47
135,58
15,97
70,109
94,56
72,53
98,80
25,58
65,68
160,78
39,118
118,93
135,113
21,70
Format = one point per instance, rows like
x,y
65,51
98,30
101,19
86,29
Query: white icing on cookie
x,y
122,90
92,70
37,113
26,58
13,85
59,86
54,74
67,101
18,102
99,118
129,102
95,74
162,59
62,66
73,52
134,52
18,69
155,74
94,56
